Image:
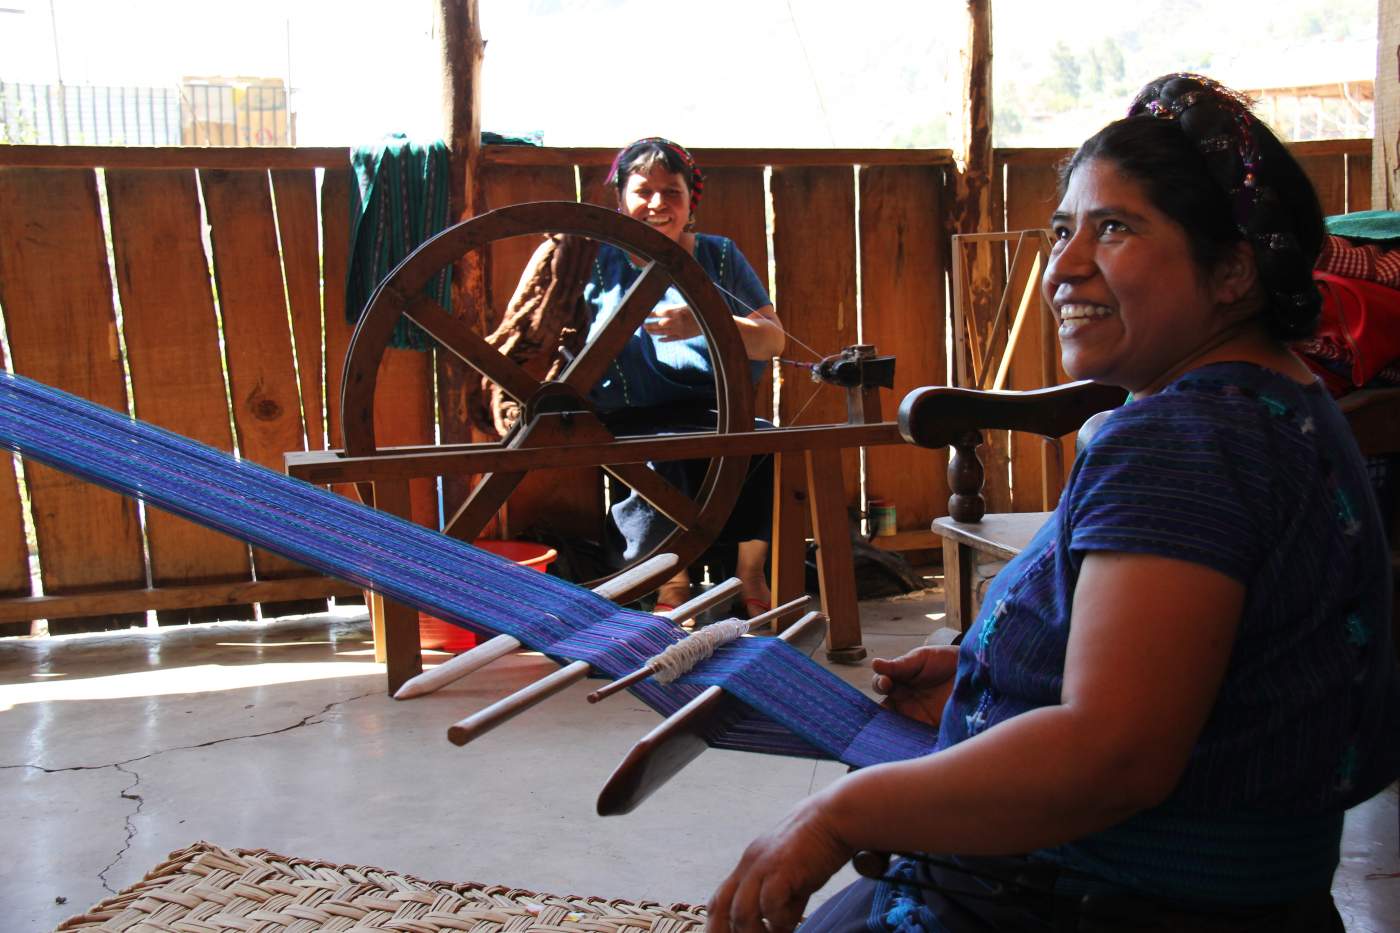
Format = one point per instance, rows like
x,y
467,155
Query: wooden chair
x,y
947,417
940,416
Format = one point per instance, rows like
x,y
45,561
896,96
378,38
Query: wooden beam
x,y
120,601
462,49
589,156
206,157
1385,151
972,207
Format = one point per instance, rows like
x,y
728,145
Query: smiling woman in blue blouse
x,y
1174,692
663,380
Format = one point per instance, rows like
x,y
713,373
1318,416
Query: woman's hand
x,y
673,322
918,683
768,890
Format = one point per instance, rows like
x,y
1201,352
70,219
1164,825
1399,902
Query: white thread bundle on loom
x,y
691,650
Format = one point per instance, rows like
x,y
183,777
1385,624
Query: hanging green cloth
x,y
399,200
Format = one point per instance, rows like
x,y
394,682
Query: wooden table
x,y
1001,536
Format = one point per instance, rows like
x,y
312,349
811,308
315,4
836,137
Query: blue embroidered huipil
x,y
1244,471
650,371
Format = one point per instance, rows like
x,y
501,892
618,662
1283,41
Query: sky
x,y
584,72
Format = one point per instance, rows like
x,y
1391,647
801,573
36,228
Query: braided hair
x,y
1208,163
641,155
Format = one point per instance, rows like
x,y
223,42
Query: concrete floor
x,y
116,749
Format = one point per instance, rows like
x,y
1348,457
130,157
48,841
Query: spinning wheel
x,y
558,411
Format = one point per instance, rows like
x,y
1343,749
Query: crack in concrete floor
x,y
310,719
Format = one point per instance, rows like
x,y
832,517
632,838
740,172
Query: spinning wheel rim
x,y
399,294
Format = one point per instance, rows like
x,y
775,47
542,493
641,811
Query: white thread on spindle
x,y
691,650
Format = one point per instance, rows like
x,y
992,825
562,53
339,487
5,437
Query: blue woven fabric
x,y
797,708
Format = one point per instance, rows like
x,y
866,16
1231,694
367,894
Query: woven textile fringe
x,y
207,888
801,708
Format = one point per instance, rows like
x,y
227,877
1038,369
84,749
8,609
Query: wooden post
x,y
1385,142
973,191
459,27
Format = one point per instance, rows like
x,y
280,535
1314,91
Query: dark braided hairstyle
x,y
641,155
1209,164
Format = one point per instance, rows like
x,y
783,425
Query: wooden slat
x,y
735,206
403,414
815,248
1329,177
294,191
1358,182
174,598
568,502
188,157
172,341
902,276
335,259
258,341
57,296
14,552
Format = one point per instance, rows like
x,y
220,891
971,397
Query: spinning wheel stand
x,y
559,428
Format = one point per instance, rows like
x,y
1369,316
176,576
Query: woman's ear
x,y
1236,275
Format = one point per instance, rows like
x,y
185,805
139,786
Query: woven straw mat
x,y
203,889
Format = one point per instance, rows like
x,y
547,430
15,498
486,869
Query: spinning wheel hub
x,y
558,411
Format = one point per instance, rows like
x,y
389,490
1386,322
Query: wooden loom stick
x,y
680,739
776,614
507,708
661,566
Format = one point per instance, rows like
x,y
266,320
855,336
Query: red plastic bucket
x,y
444,636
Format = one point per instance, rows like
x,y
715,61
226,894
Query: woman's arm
x,y
1149,643
761,331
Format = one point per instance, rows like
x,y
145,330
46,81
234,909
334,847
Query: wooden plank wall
x,y
858,248
247,309
813,223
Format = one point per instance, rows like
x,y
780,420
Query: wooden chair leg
x,y
402,650
835,563
958,564
789,551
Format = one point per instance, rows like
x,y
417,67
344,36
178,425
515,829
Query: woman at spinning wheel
x,y
663,380
1174,692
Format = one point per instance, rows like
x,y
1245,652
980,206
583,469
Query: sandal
x,y
661,608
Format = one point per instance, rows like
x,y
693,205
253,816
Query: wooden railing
x,y
238,336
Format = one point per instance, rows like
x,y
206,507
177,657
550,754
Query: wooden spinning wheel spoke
x,y
485,500
664,497
557,413
590,365
471,348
